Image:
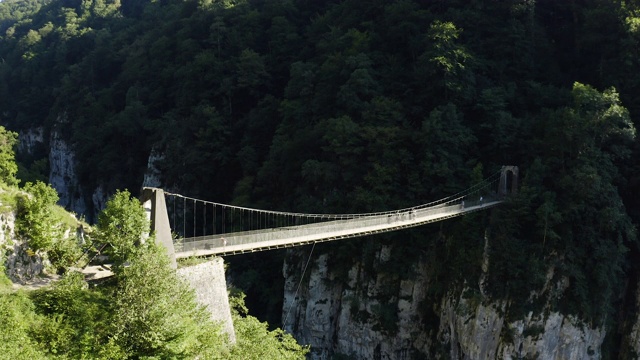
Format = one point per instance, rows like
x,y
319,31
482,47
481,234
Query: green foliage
x,y
74,322
17,316
355,106
575,215
12,11
8,166
5,282
33,172
43,224
122,225
449,57
595,226
149,313
9,198
191,261
155,313
65,252
255,341
35,219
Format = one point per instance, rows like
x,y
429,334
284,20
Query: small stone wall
x,y
21,266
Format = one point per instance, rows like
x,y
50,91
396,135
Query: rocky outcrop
x,y
152,175
317,323
63,178
364,318
30,140
62,170
21,264
479,331
373,315
62,175
99,199
632,340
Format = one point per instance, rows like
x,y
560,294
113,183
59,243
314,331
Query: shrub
x,y
36,220
121,225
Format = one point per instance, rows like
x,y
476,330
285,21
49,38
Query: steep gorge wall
x,y
357,318
382,316
631,343
63,172
62,175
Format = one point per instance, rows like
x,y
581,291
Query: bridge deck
x,y
251,241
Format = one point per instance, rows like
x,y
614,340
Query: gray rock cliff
x,y
373,315
62,175
63,171
30,139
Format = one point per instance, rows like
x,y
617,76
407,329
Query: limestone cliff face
x,y
63,178
30,140
366,318
63,167
479,331
377,316
62,175
63,172
152,176
631,344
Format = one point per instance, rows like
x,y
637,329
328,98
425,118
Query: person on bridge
x,y
224,242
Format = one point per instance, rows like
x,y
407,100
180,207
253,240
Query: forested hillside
x,y
145,310
358,106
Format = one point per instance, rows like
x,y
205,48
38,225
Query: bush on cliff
x,y
255,341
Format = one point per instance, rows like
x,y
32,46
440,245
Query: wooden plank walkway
x,y
274,238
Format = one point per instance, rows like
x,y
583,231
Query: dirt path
x,y
90,273
36,283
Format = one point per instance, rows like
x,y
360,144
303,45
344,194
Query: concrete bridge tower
x,y
153,202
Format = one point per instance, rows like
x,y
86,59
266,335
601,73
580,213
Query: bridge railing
x,y
328,229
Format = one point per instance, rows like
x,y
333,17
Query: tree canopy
x,y
145,312
348,106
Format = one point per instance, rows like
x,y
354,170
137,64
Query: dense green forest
x,y
349,106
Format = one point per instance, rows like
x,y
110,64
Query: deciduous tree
x,y
122,225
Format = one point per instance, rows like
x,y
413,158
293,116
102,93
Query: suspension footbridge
x,y
192,227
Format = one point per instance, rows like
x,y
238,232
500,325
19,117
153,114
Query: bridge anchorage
x,y
222,229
